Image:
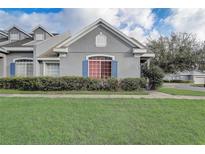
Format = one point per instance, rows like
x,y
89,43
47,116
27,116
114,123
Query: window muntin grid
x,y
52,69
24,67
14,36
100,67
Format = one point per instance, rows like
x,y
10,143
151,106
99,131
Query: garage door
x,y
199,80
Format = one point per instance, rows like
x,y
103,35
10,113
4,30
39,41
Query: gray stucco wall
x,y
128,65
10,57
41,31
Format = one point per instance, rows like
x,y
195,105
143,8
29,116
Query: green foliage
x,y
130,84
201,58
70,83
155,76
179,52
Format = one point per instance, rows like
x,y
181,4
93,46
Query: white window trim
x,y
23,58
98,55
45,67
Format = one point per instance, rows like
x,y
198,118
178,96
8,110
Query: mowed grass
x,y
101,121
14,91
174,91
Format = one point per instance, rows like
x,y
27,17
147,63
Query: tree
x,y
201,58
175,53
155,76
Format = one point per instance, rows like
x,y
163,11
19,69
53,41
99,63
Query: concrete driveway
x,y
183,86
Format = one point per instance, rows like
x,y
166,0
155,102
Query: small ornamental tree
x,y
155,76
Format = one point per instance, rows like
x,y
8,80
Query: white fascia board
x,y
2,33
4,42
14,26
61,50
139,51
3,50
90,27
48,59
149,55
19,48
39,26
77,36
121,33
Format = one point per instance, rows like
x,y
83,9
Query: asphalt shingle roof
x,y
19,43
3,39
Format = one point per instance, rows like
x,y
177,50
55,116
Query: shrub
x,y
71,83
155,76
130,84
112,84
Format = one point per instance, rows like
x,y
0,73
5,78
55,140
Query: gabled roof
x,y
3,33
2,50
3,39
39,26
19,43
50,53
20,30
107,26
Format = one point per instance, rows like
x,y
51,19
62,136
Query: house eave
x,y
3,50
148,55
49,58
89,28
139,51
61,50
18,48
39,26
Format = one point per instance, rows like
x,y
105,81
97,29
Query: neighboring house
x,y
196,77
99,51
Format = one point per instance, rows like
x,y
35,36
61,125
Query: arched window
x,y
99,67
24,67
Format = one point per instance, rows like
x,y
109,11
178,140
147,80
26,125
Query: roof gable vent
x,y
101,40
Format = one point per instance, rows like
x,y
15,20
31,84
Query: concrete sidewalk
x,y
152,95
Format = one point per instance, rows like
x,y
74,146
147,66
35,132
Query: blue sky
x,y
138,23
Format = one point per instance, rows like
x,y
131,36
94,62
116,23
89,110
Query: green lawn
x,y
101,121
174,91
13,91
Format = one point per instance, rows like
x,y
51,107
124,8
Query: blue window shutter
x,y
114,69
12,69
85,68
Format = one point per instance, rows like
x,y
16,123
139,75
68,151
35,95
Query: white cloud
x,y
137,33
188,20
154,34
137,20
142,17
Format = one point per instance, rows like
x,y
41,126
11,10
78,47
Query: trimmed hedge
x,y
71,83
130,84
